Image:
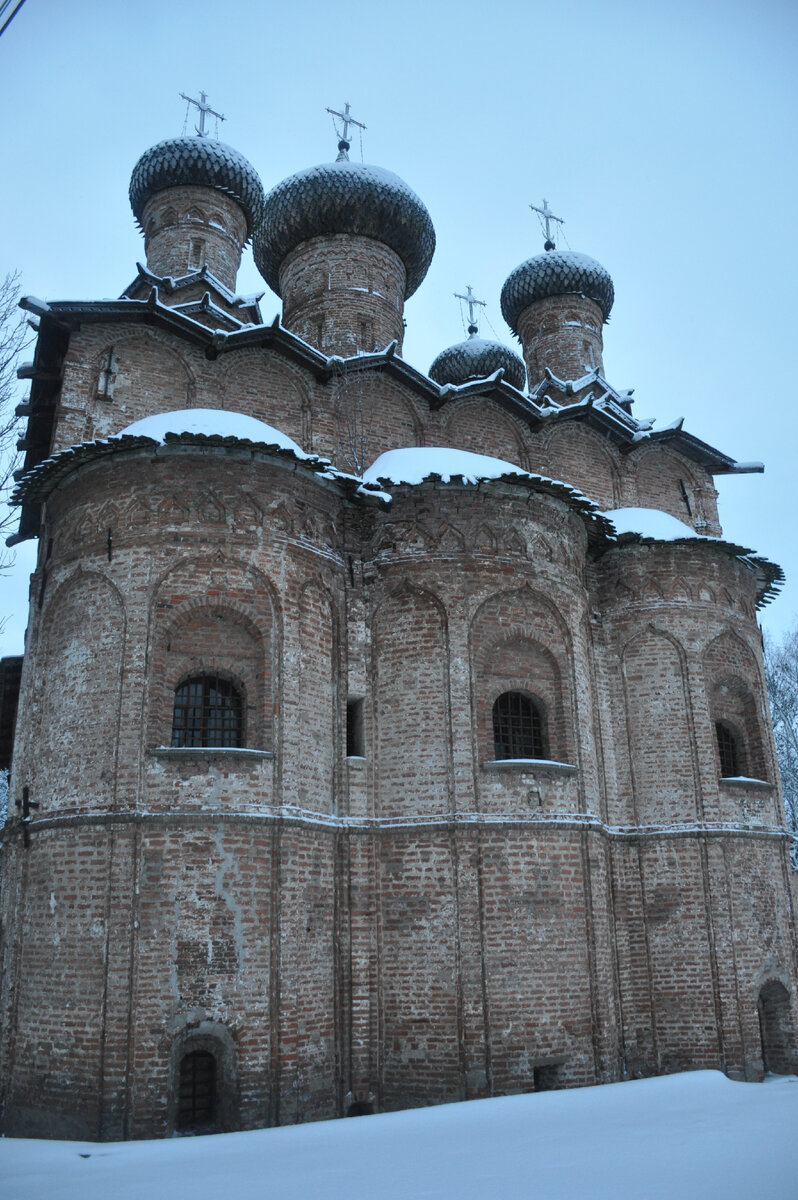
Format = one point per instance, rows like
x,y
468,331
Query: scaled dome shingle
x,y
555,273
477,358
344,197
197,160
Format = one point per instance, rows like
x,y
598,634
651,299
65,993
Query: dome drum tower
x,y
344,244
183,233
344,294
197,201
556,304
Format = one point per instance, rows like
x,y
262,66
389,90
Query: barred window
x,y
207,712
518,729
729,750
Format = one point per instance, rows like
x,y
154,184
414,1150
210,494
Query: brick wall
x,y
189,227
344,294
468,929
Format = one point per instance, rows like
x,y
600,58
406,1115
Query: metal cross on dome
x,y
548,216
346,120
204,108
472,303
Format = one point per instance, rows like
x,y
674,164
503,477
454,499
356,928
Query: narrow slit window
x,y
728,750
355,741
196,252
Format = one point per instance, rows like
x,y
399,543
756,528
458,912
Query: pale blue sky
x,y
663,132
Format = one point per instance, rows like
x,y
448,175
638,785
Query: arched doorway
x,y
775,1028
197,1100
203,1089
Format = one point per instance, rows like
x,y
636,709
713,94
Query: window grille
x,y
207,712
196,1104
517,727
728,749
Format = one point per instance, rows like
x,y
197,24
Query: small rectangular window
x,y
355,742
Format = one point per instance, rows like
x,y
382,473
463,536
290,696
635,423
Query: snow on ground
x,y
695,1136
212,422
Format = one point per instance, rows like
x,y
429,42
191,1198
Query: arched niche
x,y
262,385
480,426
204,1100
660,727
213,616
580,456
776,1028
411,704
71,754
136,376
518,644
368,415
736,700
667,481
317,676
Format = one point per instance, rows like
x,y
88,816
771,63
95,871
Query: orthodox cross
x,y
472,303
548,216
347,120
203,109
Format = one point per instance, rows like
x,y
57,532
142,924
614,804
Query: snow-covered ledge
x,y
536,765
194,752
742,781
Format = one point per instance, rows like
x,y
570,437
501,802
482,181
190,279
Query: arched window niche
x,y
738,735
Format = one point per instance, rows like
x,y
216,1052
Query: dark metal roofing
x,y
555,273
477,358
197,160
344,197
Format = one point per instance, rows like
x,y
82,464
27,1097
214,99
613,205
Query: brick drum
x,y
363,906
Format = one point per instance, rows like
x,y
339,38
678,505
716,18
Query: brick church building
x,y
385,736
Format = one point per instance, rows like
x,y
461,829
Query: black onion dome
x,y
198,160
476,359
344,197
555,273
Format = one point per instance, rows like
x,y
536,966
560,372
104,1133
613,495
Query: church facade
x,y
385,737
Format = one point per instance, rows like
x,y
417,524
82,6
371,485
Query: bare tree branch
x,y
14,337
781,672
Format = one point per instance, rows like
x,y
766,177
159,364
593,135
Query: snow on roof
x,y
212,422
650,523
413,464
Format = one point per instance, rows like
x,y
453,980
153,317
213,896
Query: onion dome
x,y
344,197
201,161
555,273
477,358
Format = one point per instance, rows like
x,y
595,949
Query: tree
x,y
14,336
781,672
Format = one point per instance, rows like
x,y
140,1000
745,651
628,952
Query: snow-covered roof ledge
x,y
200,426
653,525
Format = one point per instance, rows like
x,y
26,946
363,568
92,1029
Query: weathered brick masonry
x,y
363,903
